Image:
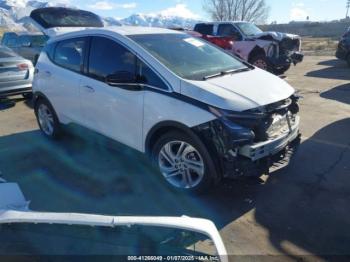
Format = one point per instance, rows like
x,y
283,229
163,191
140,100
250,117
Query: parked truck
x,y
271,51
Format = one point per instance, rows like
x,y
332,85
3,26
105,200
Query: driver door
x,y
229,30
113,110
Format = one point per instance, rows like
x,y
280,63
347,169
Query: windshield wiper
x,y
231,71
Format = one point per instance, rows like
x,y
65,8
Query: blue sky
x,y
281,10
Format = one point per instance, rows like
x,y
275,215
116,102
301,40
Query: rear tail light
x,y
23,66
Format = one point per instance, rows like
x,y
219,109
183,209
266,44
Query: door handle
x,y
48,73
89,89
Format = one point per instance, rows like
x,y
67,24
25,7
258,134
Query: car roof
x,y
222,22
121,30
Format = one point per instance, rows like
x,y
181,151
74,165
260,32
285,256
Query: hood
x,y
240,91
275,36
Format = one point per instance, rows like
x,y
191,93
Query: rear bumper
x,y
16,91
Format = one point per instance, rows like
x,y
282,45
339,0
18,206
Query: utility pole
x,y
347,8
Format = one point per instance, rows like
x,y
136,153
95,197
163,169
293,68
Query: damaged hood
x,y
239,91
275,36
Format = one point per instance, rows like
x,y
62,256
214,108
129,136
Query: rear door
x,y
61,77
57,20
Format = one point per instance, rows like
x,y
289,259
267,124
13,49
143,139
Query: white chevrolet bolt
x,y
200,113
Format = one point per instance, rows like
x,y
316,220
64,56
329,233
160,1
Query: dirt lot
x,y
302,210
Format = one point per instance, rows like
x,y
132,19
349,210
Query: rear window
x,y
65,17
6,52
69,54
204,29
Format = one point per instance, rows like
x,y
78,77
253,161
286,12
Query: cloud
x,y
105,5
179,10
297,13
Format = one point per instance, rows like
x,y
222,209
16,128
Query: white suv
x,y
199,112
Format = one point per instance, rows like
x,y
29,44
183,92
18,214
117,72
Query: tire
x,y
28,96
261,62
194,155
47,119
281,71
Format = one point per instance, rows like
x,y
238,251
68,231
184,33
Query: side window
x,y
107,57
227,30
147,76
204,29
50,49
70,53
23,40
12,42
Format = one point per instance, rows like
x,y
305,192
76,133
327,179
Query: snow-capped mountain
x,y
14,16
159,21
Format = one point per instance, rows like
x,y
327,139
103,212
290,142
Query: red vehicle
x,y
222,41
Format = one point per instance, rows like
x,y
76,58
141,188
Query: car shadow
x,y
304,205
332,62
6,104
340,93
336,69
304,208
9,102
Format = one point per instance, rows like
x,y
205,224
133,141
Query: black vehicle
x,y
343,51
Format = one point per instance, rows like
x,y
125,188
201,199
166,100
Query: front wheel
x,y
47,119
184,163
261,62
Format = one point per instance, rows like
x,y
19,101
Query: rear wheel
x,y
184,163
47,119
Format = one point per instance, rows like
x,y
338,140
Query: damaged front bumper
x,y
271,147
284,61
247,145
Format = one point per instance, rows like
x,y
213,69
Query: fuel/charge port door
x,y
53,21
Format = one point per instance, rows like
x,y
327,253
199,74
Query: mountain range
x,y
14,15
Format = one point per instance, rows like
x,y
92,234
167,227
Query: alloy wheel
x,y
181,164
46,119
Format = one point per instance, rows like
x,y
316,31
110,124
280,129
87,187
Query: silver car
x,y
16,74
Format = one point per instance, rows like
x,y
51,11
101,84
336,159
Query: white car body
x,y
130,117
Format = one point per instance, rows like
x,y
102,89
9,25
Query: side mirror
x,y
26,44
237,36
125,80
121,77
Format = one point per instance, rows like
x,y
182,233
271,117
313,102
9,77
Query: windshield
x,y
249,29
188,57
6,52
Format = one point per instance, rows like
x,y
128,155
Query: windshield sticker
x,y
194,42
